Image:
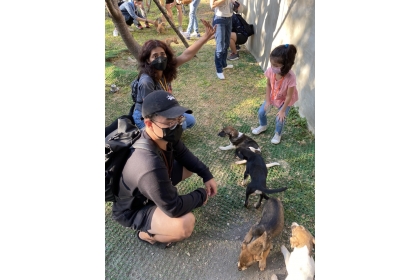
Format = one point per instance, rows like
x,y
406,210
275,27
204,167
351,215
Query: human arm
x,y
191,51
155,184
267,95
217,3
282,112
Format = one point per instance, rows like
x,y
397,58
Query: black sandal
x,y
138,237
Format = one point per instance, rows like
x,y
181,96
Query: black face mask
x,y
159,63
173,135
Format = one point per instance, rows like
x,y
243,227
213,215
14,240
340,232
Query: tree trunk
x,y
119,22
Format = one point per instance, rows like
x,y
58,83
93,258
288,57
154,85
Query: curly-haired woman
x,y
158,68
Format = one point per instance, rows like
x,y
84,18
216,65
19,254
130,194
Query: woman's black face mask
x,y
159,63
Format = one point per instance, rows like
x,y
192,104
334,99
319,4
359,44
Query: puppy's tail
x,y
272,164
275,190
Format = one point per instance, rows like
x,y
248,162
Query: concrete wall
x,y
279,22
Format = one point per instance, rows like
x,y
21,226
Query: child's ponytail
x,y
284,54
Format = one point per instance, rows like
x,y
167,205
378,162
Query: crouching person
x,y
148,200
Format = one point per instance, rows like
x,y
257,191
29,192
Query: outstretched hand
x,y
210,30
211,188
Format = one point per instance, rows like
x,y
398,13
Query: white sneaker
x,y
186,35
276,138
228,66
195,35
259,129
115,32
180,28
220,76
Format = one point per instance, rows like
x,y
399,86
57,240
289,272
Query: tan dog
x,y
170,40
258,241
300,264
160,25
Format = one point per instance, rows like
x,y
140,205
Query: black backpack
x,y
120,137
249,28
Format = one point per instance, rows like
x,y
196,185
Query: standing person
x,y
131,15
148,200
223,10
237,37
168,6
193,23
158,68
281,89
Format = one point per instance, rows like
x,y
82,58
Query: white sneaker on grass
x,y
220,76
186,35
195,35
276,138
259,129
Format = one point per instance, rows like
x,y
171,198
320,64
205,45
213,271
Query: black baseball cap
x,y
164,104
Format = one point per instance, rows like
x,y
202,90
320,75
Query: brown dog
x,y
170,40
160,25
258,241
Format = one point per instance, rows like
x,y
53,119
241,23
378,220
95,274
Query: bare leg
x,y
232,43
166,229
169,11
179,8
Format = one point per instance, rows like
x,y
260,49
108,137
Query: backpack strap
x,y
146,144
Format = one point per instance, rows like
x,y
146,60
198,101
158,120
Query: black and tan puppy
x,y
237,139
258,241
240,140
257,170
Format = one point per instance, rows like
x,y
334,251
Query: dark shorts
x,y
171,1
241,39
142,219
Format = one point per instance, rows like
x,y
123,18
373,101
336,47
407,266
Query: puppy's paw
x,y
262,265
228,147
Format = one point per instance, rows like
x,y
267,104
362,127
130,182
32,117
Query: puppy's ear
x,y
256,247
294,242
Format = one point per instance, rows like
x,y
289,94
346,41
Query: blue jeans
x,y
222,36
188,123
262,117
193,23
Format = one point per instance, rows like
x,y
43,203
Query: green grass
x,y
215,103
